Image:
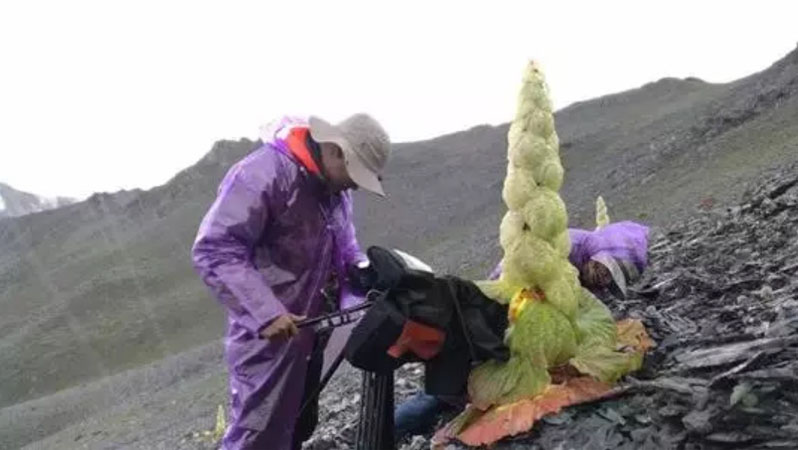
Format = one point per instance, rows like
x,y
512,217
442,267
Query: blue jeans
x,y
417,413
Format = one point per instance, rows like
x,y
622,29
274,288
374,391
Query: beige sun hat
x,y
623,272
365,144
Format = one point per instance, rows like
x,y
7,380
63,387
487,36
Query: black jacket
x,y
473,324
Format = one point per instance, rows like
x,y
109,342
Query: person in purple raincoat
x,y
278,235
608,259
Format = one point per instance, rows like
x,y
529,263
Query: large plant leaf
x,y
632,334
608,364
543,335
500,383
474,427
594,323
490,381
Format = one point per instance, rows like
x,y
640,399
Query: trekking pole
x,y
339,318
335,319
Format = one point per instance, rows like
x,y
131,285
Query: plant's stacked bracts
x,y
554,322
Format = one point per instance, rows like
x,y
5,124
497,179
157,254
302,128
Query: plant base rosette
x,y
475,426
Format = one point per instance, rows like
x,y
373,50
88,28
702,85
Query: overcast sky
x,y
106,95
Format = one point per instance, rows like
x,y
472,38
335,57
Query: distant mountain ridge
x,y
15,203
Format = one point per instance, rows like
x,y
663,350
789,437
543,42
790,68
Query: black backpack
x,y
368,344
472,325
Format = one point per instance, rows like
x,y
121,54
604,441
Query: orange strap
x,y
423,340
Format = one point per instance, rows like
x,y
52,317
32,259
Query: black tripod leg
x,y
375,427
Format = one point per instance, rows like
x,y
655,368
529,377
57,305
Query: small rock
x,y
698,422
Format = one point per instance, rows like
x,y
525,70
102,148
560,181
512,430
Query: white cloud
x,y
107,95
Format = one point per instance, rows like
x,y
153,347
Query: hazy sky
x,y
105,95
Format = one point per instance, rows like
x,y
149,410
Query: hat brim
x,y
365,178
618,285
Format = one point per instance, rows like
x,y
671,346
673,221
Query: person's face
x,y
596,275
332,158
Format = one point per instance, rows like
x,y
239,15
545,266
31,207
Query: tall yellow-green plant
x,y
553,320
602,218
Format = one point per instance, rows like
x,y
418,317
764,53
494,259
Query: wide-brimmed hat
x,y
366,147
622,272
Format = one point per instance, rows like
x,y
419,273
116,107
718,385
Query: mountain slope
x,y
104,285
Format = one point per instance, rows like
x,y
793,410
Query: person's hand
x,y
282,327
